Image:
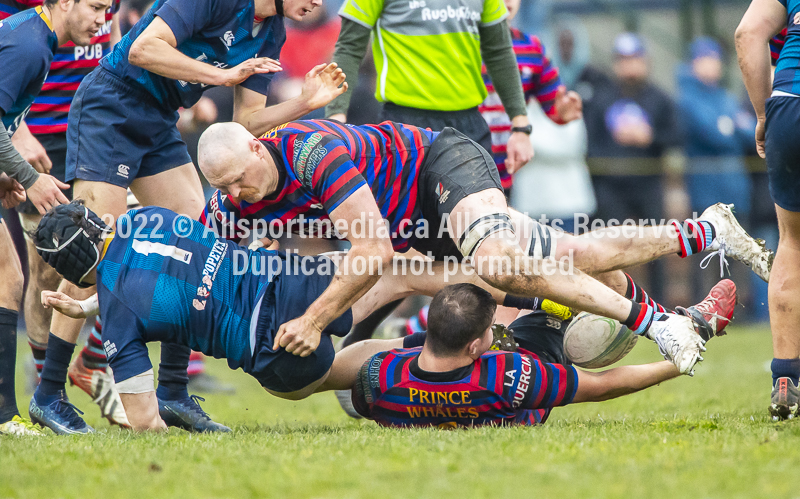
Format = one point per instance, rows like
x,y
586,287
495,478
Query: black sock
x,y
172,375
414,340
366,328
8,363
56,365
520,302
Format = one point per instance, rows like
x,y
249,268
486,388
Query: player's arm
x,y
351,47
323,84
116,34
619,381
359,220
763,20
69,306
156,51
31,149
558,103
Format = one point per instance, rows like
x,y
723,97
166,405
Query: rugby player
x,y
777,104
453,380
28,41
355,176
122,133
41,139
164,277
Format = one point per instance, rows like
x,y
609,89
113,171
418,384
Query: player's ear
x,y
474,348
256,147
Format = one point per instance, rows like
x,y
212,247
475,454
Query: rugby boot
x,y
20,427
99,384
345,398
678,342
187,414
59,415
785,400
711,315
733,240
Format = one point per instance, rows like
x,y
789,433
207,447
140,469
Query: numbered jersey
x,y
27,45
498,388
164,276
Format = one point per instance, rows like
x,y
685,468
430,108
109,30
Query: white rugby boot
x,y
733,240
678,342
345,398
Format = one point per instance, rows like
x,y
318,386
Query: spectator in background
x,y
717,132
308,44
556,182
631,125
540,82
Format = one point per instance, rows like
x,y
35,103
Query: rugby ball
x,y
593,341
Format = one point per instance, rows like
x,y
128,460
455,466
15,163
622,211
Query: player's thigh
x,y
782,146
11,270
108,201
177,189
789,227
303,392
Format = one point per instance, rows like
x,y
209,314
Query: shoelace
x,y
195,407
63,408
723,262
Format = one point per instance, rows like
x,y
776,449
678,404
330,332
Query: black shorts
x,y
454,168
288,297
55,144
782,144
542,334
468,121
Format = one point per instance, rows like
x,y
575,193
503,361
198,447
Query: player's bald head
x,y
223,148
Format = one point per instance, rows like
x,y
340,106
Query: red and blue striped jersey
x,y
776,45
499,388
539,79
321,163
70,65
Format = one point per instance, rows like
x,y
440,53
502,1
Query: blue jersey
x,y
218,32
787,68
27,46
167,278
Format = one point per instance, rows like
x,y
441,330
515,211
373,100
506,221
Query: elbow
x,y
138,53
745,34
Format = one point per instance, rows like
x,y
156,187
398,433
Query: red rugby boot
x,y
711,315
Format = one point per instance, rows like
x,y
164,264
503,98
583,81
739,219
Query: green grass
x,y
707,436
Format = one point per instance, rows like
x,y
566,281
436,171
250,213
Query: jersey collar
x,y
54,37
106,242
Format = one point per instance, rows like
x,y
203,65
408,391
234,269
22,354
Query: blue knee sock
x,y
8,363
785,368
172,376
56,365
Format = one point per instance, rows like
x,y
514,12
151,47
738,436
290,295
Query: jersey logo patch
x,y
227,39
442,193
110,348
307,156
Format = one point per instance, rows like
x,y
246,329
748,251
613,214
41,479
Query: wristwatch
x,y
527,130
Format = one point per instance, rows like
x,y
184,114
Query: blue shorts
x,y
783,151
118,132
287,298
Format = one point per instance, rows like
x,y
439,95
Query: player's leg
x,y
784,311
10,297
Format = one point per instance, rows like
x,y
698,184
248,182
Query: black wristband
x,y
527,130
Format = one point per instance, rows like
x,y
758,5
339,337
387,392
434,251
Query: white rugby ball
x,y
593,341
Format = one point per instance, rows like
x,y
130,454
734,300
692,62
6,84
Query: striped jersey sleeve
x,y
531,384
541,78
222,214
776,44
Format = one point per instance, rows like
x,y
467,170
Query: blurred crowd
x,y
637,153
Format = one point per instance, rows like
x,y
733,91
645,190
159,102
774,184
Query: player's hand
x,y
518,151
569,105
324,83
265,243
31,150
299,336
11,192
62,303
46,193
237,74
760,133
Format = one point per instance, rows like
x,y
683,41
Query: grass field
x,y
707,436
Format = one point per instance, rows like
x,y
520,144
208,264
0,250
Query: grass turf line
x,y
707,436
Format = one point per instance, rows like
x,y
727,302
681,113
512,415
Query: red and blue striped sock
x,y
639,295
197,364
39,350
93,354
694,236
641,317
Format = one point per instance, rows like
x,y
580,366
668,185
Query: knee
x,y
13,284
